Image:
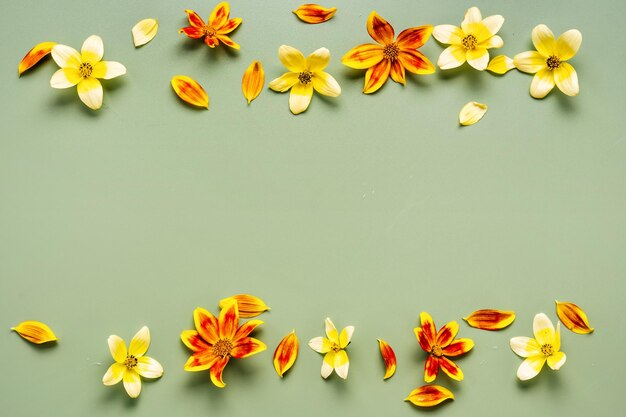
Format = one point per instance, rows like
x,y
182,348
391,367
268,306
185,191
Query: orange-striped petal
x,y
192,32
206,325
245,329
573,317
450,368
36,54
226,40
200,361
389,357
379,29
424,342
413,38
447,334
429,395
431,368
397,72
376,76
286,353
488,319
428,327
216,371
363,56
416,62
35,332
247,346
229,319
251,85
190,91
194,20
229,26
314,13
458,347
219,15
212,41
248,305
194,341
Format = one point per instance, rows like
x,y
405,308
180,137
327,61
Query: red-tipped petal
x,y
428,327
429,395
286,353
192,32
397,72
376,76
389,357
219,15
206,325
194,341
247,346
216,372
422,339
245,329
229,319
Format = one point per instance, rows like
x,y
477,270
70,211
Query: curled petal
x,y
431,368
342,364
530,367
379,29
325,84
573,317
447,333
144,31
149,367
429,395
132,383
300,98
376,76
566,79
249,305
389,357
568,44
314,13
140,342
36,54
458,347
247,346
286,353
35,332
216,371
488,319
501,64
413,38
194,20
416,62
543,39
451,369
211,41
190,91
471,113
363,56
90,93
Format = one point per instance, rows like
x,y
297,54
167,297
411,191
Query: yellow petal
x,y
292,59
318,60
314,13
300,97
90,93
568,44
342,364
566,79
573,317
117,348
542,83
149,367
530,62
525,346
320,344
248,305
325,84
36,54
488,319
328,364
190,91
251,84
114,374
140,342
543,329
501,64
543,39
284,82
429,395
35,332
448,34
451,57
471,113
331,330
478,58
556,360
286,353
65,78
132,383
66,56
144,31
108,70
92,49
389,357
346,336
530,367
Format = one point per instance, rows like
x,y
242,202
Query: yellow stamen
x,y
437,351
85,69
547,349
130,362
222,348
469,42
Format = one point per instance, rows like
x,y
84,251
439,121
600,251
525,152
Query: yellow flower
x,y
548,61
333,346
83,70
545,347
131,364
471,41
304,75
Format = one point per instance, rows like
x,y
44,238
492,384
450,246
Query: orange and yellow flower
x,y
216,340
390,56
216,29
439,345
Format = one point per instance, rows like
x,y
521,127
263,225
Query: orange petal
x,y
35,332
194,20
219,15
447,333
488,319
206,325
363,56
379,29
573,317
458,347
247,346
376,76
425,344
286,353
314,13
450,368
229,319
416,62
39,51
194,341
429,395
413,38
200,361
389,357
192,32
216,371
249,305
251,85
428,327
431,368
190,91
229,26
245,329
397,72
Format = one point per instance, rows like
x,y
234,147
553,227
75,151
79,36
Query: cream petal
x,y
114,374
448,34
525,346
284,82
292,59
92,50
149,368
542,84
90,93
320,344
543,39
342,364
66,56
325,84
140,342
451,57
493,23
300,97
108,70
132,384
478,58
530,367
566,79
331,330
471,113
144,31
117,348
472,15
493,42
328,364
568,44
346,336
65,78
556,345
556,360
318,60
543,329
530,62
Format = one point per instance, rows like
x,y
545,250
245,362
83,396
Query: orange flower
x,y
439,345
216,340
215,31
389,57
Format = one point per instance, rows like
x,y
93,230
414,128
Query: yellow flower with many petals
x,y
470,42
545,347
216,29
390,56
333,346
132,364
548,61
304,76
216,340
83,70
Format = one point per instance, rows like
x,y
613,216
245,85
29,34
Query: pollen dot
x,y
553,62
85,69
130,362
469,42
547,349
305,77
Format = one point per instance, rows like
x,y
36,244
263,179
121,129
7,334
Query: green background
x,y
367,209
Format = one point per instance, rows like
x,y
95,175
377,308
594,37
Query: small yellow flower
x,y
545,347
470,42
130,365
333,347
548,61
83,70
304,75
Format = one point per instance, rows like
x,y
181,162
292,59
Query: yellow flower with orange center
x,y
216,29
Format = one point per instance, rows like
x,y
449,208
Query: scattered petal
x,y
471,113
144,31
36,54
286,353
501,64
314,13
488,319
35,332
190,91
573,317
252,83
429,395
249,305
389,357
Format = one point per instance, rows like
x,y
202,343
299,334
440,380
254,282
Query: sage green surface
x,y
366,209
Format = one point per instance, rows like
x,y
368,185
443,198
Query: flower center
x,y
437,351
130,362
335,347
85,69
547,349
553,62
391,51
208,30
222,348
469,42
305,77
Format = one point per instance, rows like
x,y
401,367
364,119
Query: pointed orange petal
x,y
190,91
216,371
450,368
458,347
245,329
228,320
413,38
397,72
573,317
376,76
379,29
429,395
488,319
286,353
247,346
249,305
194,20
389,357
194,341
363,56
35,332
314,13
251,85
428,327
431,368
35,55
192,32
425,344
447,333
